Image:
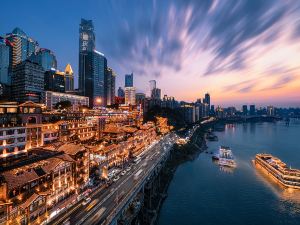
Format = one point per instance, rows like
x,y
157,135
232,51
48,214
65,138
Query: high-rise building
x,y
121,92
152,85
212,109
45,58
69,78
130,96
207,99
168,102
156,94
139,98
99,67
129,80
86,52
110,80
113,87
4,64
245,110
22,46
92,66
54,81
252,110
28,82
188,113
270,111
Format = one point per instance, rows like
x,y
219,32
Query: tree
x,y
63,105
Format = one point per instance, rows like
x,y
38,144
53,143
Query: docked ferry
x,y
288,177
225,157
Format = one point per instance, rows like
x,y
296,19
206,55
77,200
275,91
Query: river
x,y
202,193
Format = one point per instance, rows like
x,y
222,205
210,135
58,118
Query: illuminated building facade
x,y
69,79
51,98
55,81
45,58
130,96
28,82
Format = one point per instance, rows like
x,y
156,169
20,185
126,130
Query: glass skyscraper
x,y
69,78
23,46
28,82
129,80
99,67
92,66
86,49
45,58
54,80
110,83
4,64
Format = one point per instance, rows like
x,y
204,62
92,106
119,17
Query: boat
x,y
226,157
274,167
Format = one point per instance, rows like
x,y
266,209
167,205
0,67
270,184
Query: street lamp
x,y
98,100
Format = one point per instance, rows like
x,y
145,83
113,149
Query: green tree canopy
x,y
63,105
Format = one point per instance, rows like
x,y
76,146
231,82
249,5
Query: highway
x,y
105,200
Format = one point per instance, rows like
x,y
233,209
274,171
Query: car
x,y
116,178
123,173
86,201
128,168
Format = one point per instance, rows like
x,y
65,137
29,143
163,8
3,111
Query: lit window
x,y
11,110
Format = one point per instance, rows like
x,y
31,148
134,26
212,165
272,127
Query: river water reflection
x,y
203,193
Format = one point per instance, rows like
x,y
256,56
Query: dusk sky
x,y
241,52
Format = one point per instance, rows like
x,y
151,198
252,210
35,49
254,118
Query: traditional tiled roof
x,y
110,147
71,148
27,203
22,175
112,129
130,129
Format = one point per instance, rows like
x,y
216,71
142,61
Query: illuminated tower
x,y
69,82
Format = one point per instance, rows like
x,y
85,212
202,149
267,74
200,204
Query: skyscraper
x,y
86,52
245,110
121,92
54,81
4,64
152,85
252,110
130,96
270,110
22,46
139,98
99,67
156,94
28,82
129,80
110,81
69,78
92,66
45,58
207,99
113,87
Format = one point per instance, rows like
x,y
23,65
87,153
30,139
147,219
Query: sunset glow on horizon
x,y
241,52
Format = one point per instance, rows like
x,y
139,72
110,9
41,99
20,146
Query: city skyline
x,y
243,63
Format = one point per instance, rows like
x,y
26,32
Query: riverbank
x,y
200,188
179,155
